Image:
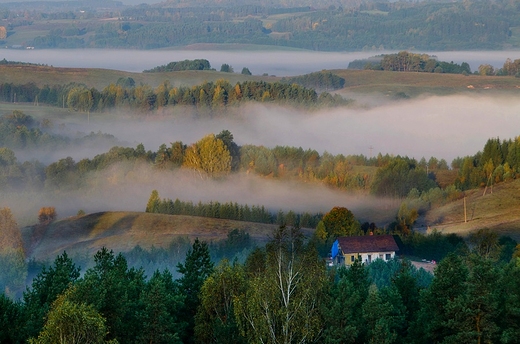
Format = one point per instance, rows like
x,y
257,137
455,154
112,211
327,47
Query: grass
x,y
416,84
24,36
497,210
121,231
375,12
57,115
356,81
100,78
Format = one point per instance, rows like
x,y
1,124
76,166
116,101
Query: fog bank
x,y
121,188
444,127
273,62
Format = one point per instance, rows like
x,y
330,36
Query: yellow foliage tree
x,y
209,157
46,215
10,237
13,269
71,322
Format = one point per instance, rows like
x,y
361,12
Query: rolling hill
x,y
356,81
415,84
100,78
122,231
497,209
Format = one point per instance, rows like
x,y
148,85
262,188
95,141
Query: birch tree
x,y
71,322
282,304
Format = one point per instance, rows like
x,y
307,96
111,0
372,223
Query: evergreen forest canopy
x,y
324,26
285,285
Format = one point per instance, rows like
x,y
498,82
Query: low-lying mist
x,y
125,187
274,62
444,127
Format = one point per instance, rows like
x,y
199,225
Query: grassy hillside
x,y
121,231
414,84
100,78
497,209
356,81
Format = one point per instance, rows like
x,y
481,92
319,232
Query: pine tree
x,y
45,288
160,314
196,268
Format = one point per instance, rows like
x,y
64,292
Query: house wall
x,y
367,257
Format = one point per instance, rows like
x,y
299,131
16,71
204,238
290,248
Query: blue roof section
x,y
335,249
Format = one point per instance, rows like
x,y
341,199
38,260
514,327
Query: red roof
x,y
367,243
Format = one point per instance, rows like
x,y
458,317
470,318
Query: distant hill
x,y
122,231
356,81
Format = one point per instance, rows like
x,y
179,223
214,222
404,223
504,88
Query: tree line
x,y
208,95
497,162
405,61
197,64
216,156
283,292
318,80
230,211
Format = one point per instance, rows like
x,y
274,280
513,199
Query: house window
x,y
388,256
380,256
369,258
352,258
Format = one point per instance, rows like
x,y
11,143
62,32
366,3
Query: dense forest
x,y
280,292
327,26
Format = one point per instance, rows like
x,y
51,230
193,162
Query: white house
x,y
345,250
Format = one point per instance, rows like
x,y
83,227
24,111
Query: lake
x,y
273,62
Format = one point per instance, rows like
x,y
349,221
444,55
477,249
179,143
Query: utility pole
x,y
465,216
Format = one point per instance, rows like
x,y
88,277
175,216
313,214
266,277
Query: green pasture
x,y
19,36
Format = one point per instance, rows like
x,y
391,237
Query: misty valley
x,y
234,172
131,185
